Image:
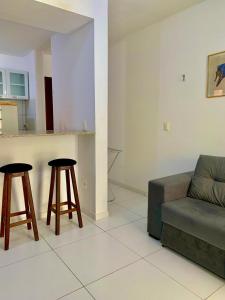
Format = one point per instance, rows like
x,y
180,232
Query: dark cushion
x,y
201,219
208,183
15,168
62,162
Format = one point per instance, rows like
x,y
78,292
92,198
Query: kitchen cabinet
x,y
8,116
14,84
3,88
17,85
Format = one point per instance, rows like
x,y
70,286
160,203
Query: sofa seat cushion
x,y
208,183
201,219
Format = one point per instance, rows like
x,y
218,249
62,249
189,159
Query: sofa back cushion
x,y
208,183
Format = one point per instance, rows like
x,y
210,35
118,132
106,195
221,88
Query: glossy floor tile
x,y
95,257
121,193
135,237
114,258
136,207
189,274
69,231
43,277
22,246
81,294
136,203
218,295
139,281
117,216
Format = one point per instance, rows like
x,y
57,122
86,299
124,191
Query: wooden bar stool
x,y
11,171
66,165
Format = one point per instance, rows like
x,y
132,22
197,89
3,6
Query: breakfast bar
x,y
37,149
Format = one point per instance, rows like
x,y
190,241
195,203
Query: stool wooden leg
x,y
57,215
76,197
7,211
68,192
51,192
4,198
31,205
26,202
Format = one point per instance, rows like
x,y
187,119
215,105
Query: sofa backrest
x,y
208,183
212,167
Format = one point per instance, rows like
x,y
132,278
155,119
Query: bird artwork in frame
x,y
216,75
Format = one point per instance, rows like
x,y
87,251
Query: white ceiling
x,y
126,16
41,15
27,25
18,40
33,22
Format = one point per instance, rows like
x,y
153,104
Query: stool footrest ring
x,y
20,223
64,203
63,212
18,213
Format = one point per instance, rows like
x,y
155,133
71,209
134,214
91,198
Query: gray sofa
x,y
186,212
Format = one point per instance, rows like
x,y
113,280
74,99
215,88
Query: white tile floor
x,y
109,259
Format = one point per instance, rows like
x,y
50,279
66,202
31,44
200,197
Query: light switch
x,y
167,126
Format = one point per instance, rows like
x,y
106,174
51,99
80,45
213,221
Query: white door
x,y
17,85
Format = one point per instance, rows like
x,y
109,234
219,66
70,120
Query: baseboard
x,y
101,215
128,187
95,216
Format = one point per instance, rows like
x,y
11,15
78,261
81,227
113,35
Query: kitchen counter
x,y
8,103
27,133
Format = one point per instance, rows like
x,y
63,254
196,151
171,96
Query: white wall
x,y
47,65
149,91
42,67
40,90
98,10
14,62
117,106
31,104
73,79
133,106
197,121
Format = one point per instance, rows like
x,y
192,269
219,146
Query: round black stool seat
x,y
15,168
62,162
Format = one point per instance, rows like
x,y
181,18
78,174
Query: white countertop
x,y
27,133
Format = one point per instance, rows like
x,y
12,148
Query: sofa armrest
x,y
163,190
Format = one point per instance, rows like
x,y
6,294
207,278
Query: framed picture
x,y
216,75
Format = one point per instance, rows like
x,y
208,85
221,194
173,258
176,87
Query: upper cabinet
x,y
14,85
3,88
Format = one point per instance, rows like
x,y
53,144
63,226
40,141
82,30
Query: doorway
x,y
49,104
